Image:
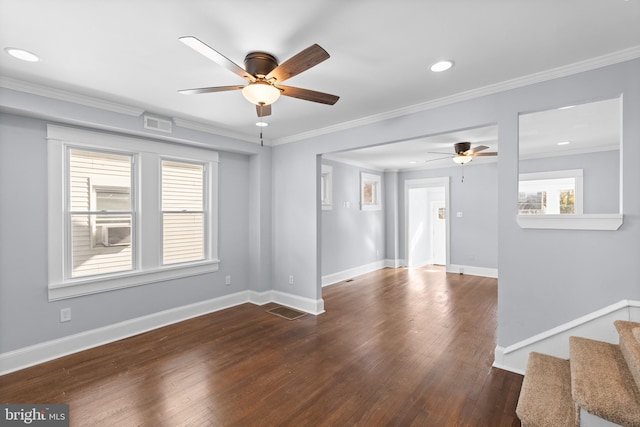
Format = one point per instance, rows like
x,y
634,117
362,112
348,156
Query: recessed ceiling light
x,y
22,54
563,143
262,124
442,66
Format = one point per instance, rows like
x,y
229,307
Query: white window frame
x,y
580,221
575,174
375,181
147,256
205,204
326,187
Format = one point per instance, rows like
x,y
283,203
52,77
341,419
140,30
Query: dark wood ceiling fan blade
x,y
263,110
309,95
483,154
440,152
302,61
209,52
209,89
439,158
478,148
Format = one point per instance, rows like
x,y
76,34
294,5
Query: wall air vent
x,y
155,123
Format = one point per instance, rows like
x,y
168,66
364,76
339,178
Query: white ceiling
x,y
128,52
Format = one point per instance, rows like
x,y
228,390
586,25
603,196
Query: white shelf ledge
x,y
610,222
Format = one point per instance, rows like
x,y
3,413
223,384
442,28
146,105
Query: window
x,y
182,212
125,211
550,193
370,192
326,190
100,212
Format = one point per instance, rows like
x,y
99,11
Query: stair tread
x,y
630,345
545,397
601,382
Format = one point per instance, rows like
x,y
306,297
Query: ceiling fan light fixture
x,y
462,160
261,93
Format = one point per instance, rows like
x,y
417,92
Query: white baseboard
x,y
35,354
473,271
307,305
394,263
333,278
555,342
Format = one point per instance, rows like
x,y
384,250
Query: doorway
x,y
427,222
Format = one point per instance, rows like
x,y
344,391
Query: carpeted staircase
x,y
597,386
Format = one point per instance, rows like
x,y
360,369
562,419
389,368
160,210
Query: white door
x,y
418,228
439,233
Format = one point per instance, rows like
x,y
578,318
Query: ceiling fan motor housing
x,y
462,147
259,64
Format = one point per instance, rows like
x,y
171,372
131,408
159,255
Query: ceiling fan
x,y
464,153
264,75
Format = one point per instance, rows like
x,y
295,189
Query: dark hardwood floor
x,y
395,347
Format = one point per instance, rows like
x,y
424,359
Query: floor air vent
x,y
155,123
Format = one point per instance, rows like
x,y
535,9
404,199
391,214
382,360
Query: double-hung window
x,y
125,211
183,216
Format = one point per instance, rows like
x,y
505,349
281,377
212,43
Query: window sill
x,y
91,285
607,222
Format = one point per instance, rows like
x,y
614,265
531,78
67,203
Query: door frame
x,y
410,184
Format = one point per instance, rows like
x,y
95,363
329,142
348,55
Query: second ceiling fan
x,y
464,153
264,75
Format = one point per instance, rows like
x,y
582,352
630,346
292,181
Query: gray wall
x,y
474,237
350,237
26,315
547,277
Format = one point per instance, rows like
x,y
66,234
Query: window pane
x,y
183,237
96,176
182,186
183,215
100,248
100,182
112,199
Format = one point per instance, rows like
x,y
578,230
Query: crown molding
x,y
63,95
566,70
203,127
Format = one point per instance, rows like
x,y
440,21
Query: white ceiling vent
x,y
155,123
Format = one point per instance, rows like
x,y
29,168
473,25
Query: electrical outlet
x,y
227,280
65,315
291,279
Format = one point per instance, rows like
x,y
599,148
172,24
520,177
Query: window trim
x,y
375,181
576,174
581,221
147,258
326,187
